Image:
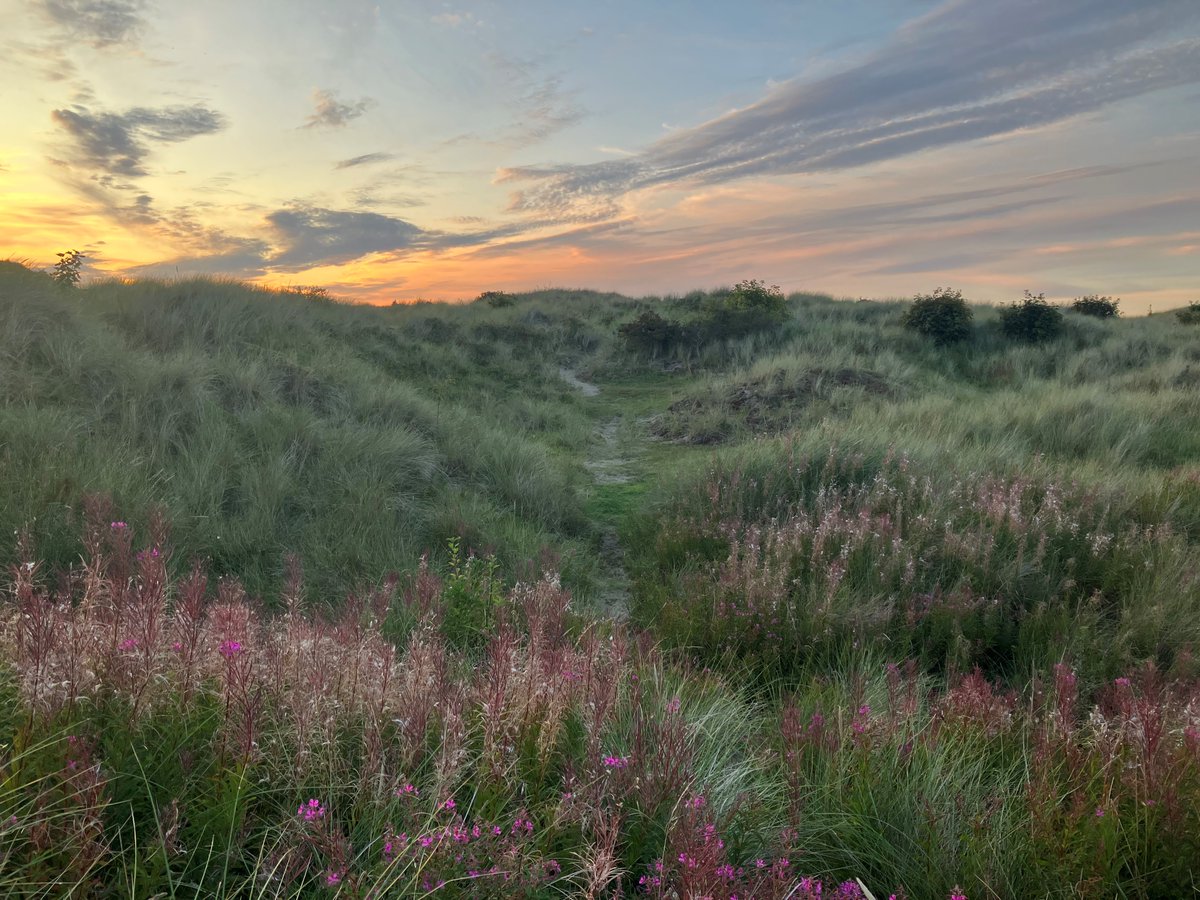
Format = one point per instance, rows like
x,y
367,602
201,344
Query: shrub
x,y
1031,319
496,299
755,297
942,315
1190,314
651,333
1100,307
68,268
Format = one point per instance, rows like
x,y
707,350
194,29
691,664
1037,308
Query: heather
x,y
571,594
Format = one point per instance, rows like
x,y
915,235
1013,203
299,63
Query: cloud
x,y
970,69
333,113
365,160
119,143
308,235
101,23
457,19
541,104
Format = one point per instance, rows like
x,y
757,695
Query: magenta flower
x,y
230,649
128,644
311,811
118,526
615,762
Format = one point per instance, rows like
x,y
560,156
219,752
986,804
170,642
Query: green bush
x,y
1031,319
650,333
1099,307
942,315
497,299
1190,314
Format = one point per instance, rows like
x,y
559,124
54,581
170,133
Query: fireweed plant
x,y
168,737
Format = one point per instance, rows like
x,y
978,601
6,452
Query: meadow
x,y
305,599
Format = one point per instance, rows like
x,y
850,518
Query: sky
x,y
405,150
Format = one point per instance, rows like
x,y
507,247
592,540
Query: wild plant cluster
x,y
749,307
165,735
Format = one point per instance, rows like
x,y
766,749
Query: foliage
x,y
497,299
1097,306
68,270
652,334
943,316
1031,320
200,744
1190,314
750,306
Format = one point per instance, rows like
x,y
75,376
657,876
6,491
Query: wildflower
x,y
407,790
957,894
449,803
230,649
332,878
127,645
1122,682
615,762
1099,812
118,526
673,706
177,646
311,811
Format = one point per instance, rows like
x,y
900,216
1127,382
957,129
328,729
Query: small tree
x,y
68,269
1031,320
1190,314
1100,307
943,315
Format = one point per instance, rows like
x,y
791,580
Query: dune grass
x,y
297,601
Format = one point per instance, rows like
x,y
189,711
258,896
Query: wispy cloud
x,y
970,69
541,102
330,112
365,160
457,19
101,23
119,143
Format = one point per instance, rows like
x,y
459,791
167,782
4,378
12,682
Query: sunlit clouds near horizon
x,y
395,151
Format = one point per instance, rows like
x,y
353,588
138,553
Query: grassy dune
x,y
900,619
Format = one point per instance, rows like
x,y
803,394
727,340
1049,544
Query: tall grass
x,y
168,738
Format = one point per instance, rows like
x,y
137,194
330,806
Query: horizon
x,y
435,151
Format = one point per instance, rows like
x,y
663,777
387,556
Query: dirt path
x,y
609,462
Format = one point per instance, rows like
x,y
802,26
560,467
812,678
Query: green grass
x,y
805,505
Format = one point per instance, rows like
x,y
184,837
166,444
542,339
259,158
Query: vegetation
x,y
68,270
311,600
943,316
1031,320
1097,306
1190,314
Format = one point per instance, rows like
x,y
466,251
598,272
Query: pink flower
x,y
1122,682
230,649
957,894
1099,812
332,878
615,762
449,804
673,706
311,811
128,644
118,526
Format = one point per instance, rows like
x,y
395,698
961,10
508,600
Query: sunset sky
x,y
397,150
